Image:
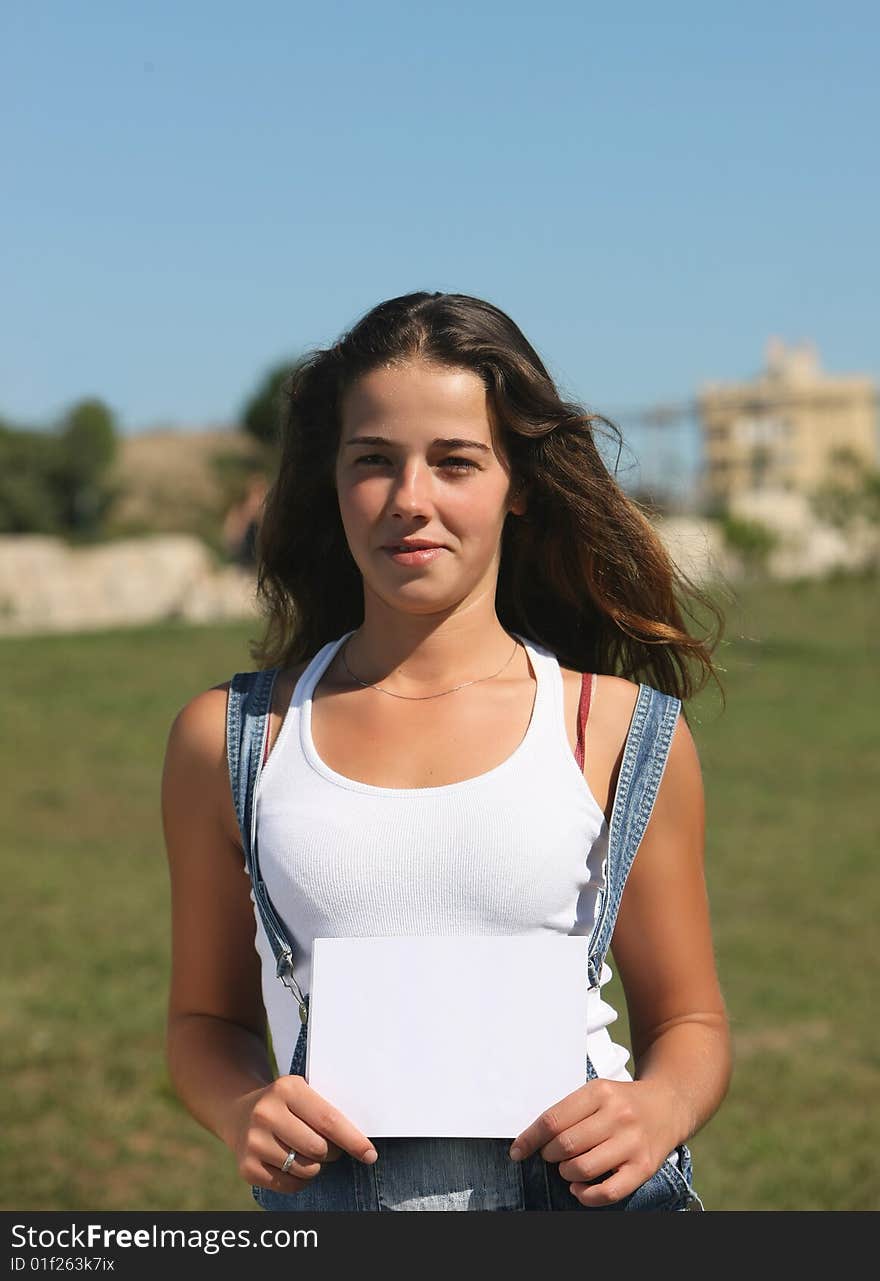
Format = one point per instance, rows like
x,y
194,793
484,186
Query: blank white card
x,y
447,1036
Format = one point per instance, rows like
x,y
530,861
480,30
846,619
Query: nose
x,y
410,492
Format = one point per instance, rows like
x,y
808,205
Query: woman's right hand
x,y
289,1115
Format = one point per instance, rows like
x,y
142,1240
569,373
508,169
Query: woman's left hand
x,y
616,1131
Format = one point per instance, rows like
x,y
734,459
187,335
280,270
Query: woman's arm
x,y
216,1043
216,1028
662,947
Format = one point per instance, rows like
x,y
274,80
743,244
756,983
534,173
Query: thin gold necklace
x,y
417,697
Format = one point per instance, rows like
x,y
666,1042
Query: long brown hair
x,y
582,572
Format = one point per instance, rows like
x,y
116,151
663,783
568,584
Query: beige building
x,y
779,431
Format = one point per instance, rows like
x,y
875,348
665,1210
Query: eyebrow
x,y
453,442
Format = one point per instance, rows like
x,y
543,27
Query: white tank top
x,y
518,849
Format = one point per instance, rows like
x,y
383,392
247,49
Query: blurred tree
x,y
55,482
751,540
27,496
87,447
849,499
262,412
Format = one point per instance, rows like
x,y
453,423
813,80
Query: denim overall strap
x,y
644,760
247,727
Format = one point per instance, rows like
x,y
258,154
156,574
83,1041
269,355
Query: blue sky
x,y
195,190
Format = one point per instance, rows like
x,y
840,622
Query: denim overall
x,y
459,1173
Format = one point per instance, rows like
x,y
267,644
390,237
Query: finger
x,y
274,1152
614,1187
578,1139
279,1129
278,1147
327,1121
264,1175
582,1102
598,1162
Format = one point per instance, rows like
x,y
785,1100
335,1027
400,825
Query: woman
x,y
413,756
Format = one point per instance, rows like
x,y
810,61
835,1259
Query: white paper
x,y
447,1036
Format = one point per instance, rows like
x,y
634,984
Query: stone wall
x,y
806,547
47,586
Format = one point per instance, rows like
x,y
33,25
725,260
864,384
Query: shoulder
x,y
196,768
614,697
608,723
610,715
198,731
199,728
195,780
611,686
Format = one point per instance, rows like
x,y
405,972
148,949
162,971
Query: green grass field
x,y
89,1120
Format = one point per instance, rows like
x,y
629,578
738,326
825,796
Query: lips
x,y
414,556
416,546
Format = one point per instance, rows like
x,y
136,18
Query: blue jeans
x,y
465,1174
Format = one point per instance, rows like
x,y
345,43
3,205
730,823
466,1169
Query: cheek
x,y
485,513
359,513
354,502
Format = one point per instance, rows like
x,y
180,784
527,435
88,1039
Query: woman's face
x,y
399,477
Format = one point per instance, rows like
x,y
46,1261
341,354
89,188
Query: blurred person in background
x,y
242,522
472,635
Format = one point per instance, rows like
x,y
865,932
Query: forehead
x,y
418,394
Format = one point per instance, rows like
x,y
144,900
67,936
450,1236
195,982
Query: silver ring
x,y
288,1162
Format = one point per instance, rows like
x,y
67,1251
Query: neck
x,y
417,653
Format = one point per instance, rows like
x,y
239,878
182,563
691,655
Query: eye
x,y
458,464
461,463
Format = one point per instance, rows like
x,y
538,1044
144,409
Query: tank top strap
x,y
553,732
641,771
247,729
588,688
